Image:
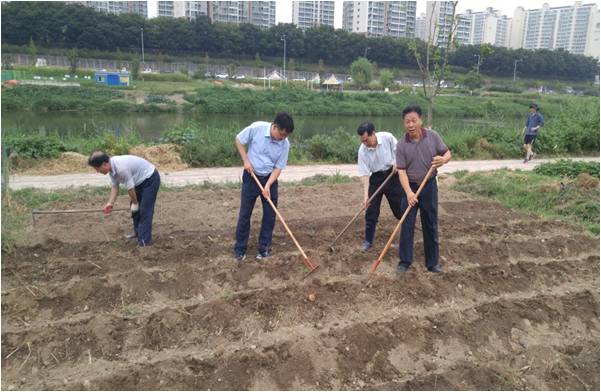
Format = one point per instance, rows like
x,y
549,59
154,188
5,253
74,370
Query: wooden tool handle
x,y
394,171
42,212
398,226
279,215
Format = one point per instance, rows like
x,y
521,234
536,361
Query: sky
x,y
283,8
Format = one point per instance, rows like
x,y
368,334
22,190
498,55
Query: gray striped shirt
x,y
378,158
129,170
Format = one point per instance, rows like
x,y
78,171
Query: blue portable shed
x,y
112,78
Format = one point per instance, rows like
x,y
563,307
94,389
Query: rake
x,y
398,226
312,267
392,173
79,211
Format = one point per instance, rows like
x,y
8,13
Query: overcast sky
x,y
283,13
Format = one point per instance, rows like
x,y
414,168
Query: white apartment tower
x,y
490,27
380,18
574,28
439,21
420,26
306,14
119,7
259,13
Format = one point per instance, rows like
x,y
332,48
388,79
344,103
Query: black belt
x,y
143,183
387,171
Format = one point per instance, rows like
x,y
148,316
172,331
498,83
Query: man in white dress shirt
x,y
376,158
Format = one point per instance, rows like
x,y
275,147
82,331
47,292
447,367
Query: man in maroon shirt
x,y
419,149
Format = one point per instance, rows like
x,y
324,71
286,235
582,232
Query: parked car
x,y
221,76
240,77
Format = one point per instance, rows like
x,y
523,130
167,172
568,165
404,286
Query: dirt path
x,y
233,174
517,306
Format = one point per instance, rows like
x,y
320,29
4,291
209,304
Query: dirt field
x,y
82,308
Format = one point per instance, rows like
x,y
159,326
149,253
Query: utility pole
x,y
515,67
478,69
142,33
284,39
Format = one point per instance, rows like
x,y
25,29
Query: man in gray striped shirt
x,y
376,159
142,181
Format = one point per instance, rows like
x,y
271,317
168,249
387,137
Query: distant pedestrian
x,y
534,122
376,160
142,181
267,155
419,149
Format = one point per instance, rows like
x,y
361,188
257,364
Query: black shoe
x,y
402,268
435,269
240,257
366,246
263,254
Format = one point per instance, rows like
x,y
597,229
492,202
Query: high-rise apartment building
x,y
259,13
439,21
420,26
574,28
307,14
119,7
380,18
490,27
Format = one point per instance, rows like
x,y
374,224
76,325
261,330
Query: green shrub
x,y
568,168
154,98
170,77
34,146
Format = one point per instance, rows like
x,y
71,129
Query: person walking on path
x,y
533,123
376,160
142,181
419,149
267,156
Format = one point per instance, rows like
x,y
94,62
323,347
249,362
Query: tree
x,y
361,70
32,50
258,61
471,81
231,70
321,70
386,78
135,67
73,57
432,60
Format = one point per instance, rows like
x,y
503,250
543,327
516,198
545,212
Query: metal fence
x,y
165,67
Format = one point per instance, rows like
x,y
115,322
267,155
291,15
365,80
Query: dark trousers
x,y
393,192
146,193
249,194
428,212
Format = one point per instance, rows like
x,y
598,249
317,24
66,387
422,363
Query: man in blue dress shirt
x,y
267,155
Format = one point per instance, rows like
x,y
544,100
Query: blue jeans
x,y
428,212
249,194
393,192
146,193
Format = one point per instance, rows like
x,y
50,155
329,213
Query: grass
x,y
548,196
154,87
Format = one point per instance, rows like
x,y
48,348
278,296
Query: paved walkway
x,y
233,174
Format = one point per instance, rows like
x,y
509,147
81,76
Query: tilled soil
x,y
517,306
